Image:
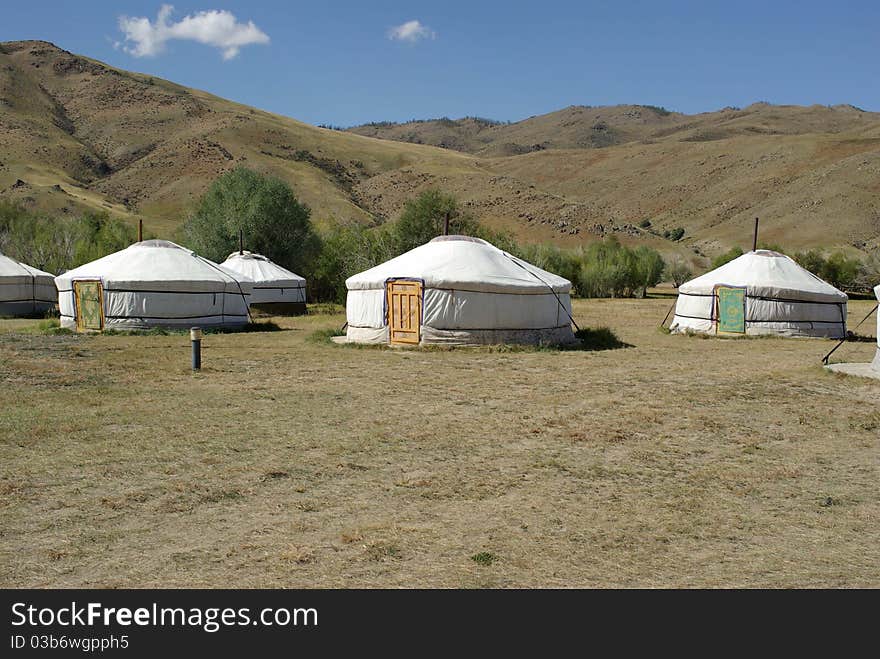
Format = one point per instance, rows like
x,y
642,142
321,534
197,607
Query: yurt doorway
x,y
731,309
89,296
404,300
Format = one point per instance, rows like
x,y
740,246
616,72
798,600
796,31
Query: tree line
x,y
275,223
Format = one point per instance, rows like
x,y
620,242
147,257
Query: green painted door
x,y
731,310
89,305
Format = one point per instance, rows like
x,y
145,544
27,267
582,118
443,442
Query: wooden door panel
x,y
404,300
89,305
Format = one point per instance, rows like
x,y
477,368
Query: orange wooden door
x,y
404,311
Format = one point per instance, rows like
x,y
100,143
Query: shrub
x,y
645,224
58,244
678,271
609,269
838,269
674,234
727,257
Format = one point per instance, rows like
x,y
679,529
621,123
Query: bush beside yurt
x,y
276,290
458,290
154,283
761,292
24,290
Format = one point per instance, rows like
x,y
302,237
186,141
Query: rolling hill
x,y
76,133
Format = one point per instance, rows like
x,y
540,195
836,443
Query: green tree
x,y
274,222
347,249
424,217
648,268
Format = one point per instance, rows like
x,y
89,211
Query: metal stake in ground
x,y
195,335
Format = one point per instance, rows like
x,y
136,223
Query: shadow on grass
x,y
600,338
587,340
51,326
859,338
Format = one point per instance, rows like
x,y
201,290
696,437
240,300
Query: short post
x,y
195,335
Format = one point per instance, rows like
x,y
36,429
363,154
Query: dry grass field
x,y
289,462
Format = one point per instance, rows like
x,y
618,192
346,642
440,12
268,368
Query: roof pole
x,y
240,242
446,225
140,230
755,241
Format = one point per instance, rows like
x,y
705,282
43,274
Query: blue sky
x,y
342,63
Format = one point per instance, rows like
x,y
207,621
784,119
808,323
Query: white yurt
x,y
761,292
25,291
276,290
458,290
153,283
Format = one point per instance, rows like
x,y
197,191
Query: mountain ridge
x,y
79,134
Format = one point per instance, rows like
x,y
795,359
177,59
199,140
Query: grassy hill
x,y
76,133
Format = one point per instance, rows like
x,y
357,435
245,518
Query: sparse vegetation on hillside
x,y
674,235
658,109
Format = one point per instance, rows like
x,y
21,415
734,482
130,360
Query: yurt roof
x,y
464,263
158,262
766,273
260,269
12,270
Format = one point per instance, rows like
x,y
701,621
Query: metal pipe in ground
x,y
195,336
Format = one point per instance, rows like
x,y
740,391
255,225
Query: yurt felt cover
x,y
24,289
272,283
472,293
781,298
159,283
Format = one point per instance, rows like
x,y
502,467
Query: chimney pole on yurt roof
x,y
446,224
140,230
755,241
240,242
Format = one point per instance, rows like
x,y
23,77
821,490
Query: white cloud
x,y
411,31
215,27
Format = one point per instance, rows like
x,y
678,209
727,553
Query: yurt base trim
x,y
816,330
127,322
470,337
